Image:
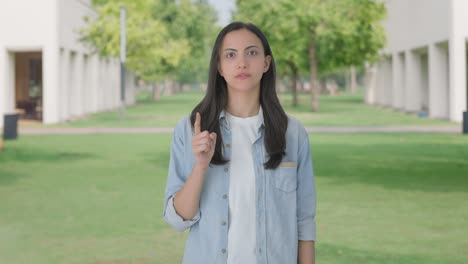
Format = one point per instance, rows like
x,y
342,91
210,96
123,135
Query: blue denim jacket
x,y
285,198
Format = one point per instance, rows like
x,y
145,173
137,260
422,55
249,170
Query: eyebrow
x,y
232,49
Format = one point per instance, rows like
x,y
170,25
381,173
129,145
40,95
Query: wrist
x,y
200,167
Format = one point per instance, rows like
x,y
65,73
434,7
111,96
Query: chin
x,y
243,88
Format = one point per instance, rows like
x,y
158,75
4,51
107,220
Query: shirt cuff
x,y
174,219
306,230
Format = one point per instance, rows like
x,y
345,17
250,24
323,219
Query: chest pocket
x,y
286,177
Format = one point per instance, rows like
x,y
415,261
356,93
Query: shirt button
x,y
228,145
226,169
225,196
223,223
223,250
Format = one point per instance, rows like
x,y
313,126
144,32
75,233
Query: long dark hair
x,y
216,99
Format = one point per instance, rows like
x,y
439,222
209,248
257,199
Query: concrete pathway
x,y
148,130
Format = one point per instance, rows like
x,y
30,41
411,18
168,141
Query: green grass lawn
x,y
382,198
343,110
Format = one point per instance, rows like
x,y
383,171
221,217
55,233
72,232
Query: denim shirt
x,y
285,198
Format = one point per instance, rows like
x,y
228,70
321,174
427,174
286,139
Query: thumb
x,y
213,137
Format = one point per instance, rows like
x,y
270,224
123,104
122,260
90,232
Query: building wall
x,y
19,35
413,24
71,13
427,43
75,81
27,24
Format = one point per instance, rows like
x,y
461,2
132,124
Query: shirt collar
x,y
260,123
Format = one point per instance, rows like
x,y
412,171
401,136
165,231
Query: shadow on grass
x,y
8,176
410,166
328,253
157,159
37,155
14,157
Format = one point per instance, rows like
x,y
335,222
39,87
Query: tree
x,y
329,34
282,34
149,46
194,22
165,38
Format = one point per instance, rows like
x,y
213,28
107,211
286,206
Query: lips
x,y
242,76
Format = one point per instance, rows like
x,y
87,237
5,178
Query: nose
x,y
242,63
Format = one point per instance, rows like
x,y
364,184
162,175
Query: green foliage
x,y
163,37
193,22
345,32
352,35
277,21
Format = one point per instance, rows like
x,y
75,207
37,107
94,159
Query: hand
x,y
203,144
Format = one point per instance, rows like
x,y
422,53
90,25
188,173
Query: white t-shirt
x,y
242,212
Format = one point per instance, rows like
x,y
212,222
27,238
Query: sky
x,y
224,8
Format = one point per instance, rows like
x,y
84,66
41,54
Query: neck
x,y
243,104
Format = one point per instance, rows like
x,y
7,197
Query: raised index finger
x,y
196,126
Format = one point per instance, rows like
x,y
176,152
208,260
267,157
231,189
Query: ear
x,y
267,63
220,71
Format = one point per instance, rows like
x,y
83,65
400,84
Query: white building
x,y
45,72
424,66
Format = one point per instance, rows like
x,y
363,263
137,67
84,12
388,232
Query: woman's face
x,y
242,61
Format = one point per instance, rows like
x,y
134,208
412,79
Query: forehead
x,y
240,39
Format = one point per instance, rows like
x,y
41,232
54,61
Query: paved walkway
x,y
147,130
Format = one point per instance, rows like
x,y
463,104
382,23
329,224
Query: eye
x,y
230,55
252,52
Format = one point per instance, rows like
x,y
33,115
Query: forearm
x,y
187,199
306,252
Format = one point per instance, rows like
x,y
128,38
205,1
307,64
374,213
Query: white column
x,y
50,72
64,108
398,80
102,87
457,96
457,61
371,81
105,87
438,82
413,86
86,85
72,85
7,83
115,83
116,74
94,82
3,82
78,86
388,82
109,82
51,84
380,83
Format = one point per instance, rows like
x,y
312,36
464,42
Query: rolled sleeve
x,y
177,175
306,195
175,220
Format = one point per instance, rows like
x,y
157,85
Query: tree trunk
x,y
156,92
301,86
280,89
293,82
314,87
353,80
168,87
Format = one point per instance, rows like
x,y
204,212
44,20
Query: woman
x,y
240,174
